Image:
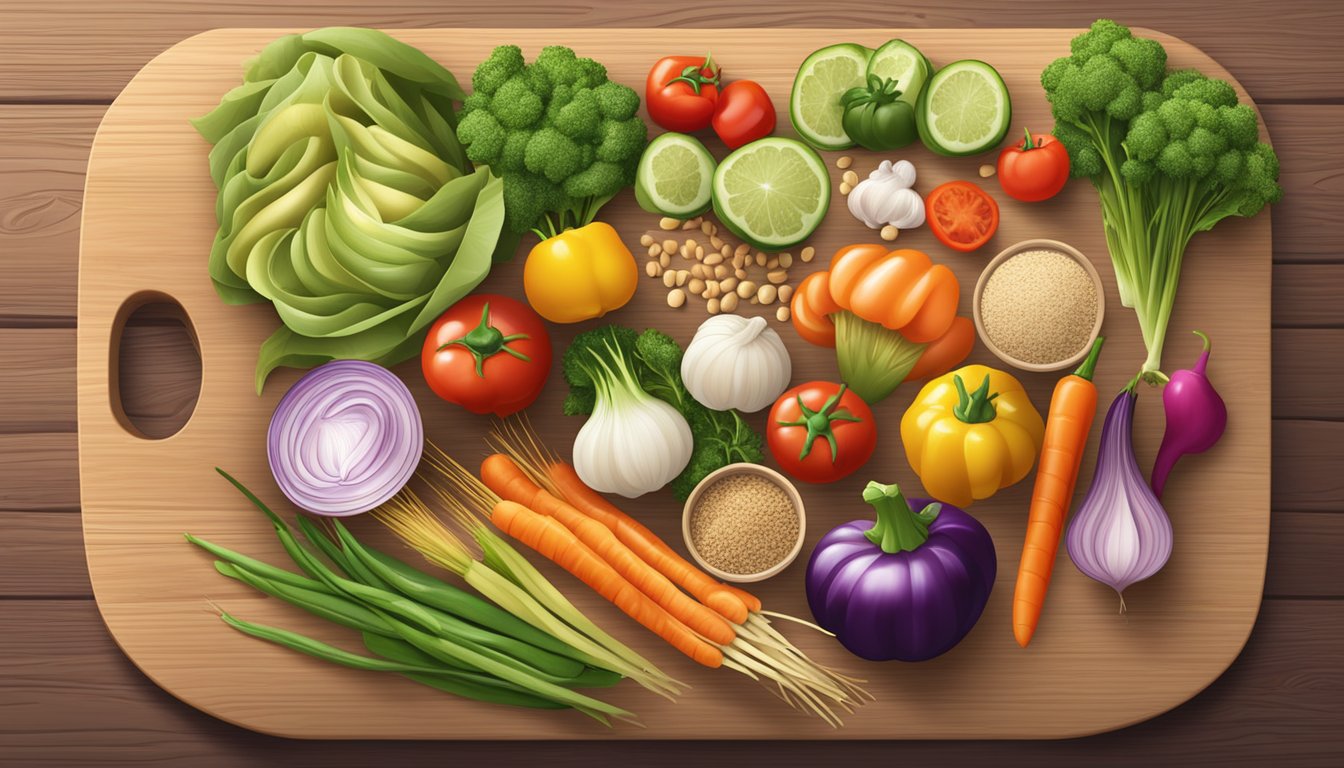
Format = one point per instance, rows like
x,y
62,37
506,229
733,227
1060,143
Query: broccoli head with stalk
x,y
1170,153
564,138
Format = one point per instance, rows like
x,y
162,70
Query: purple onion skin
x,y
908,606
1196,417
1120,534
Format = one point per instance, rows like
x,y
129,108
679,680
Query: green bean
x,y
325,545
404,652
466,684
428,590
335,609
265,570
451,652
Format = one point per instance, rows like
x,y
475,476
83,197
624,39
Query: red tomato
x,y
744,113
681,92
1034,170
820,432
488,354
962,215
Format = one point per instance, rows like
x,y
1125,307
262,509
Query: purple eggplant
x,y
907,587
1196,417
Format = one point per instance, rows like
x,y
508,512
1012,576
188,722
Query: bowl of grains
x,y
744,522
1038,305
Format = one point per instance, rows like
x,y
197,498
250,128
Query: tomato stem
x,y
1026,143
694,75
485,341
819,422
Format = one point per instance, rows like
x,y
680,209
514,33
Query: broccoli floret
x,y
1170,153
557,130
503,63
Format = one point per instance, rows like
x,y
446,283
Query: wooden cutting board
x,y
148,224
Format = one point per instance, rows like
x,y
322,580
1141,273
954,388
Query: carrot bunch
x,y
539,501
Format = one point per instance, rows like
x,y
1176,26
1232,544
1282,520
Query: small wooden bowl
x,y
749,469
1033,245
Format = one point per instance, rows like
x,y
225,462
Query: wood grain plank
x,y
43,154
1304,553
1278,705
42,555
1307,295
37,380
38,471
1307,223
1306,363
87,49
1307,460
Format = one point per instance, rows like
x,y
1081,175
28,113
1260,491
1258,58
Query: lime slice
x,y
814,106
772,193
674,176
900,61
964,109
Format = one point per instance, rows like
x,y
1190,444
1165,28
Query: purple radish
x,y
1196,417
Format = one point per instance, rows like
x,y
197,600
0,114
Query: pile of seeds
x,y
1039,306
721,273
848,181
744,524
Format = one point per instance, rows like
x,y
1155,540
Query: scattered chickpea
x,y
707,228
713,259
808,254
721,271
691,224
746,288
669,279
760,259
664,260
986,171
785,293
654,250
646,240
766,294
782,314
711,290
728,284
653,269
712,306
682,276
785,260
742,250
777,276
889,233
667,224
676,297
740,274
716,242
845,188
844,162
695,285
698,271
772,263
726,251
669,246
851,178
728,303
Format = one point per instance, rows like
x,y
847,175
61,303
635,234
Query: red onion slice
x,y
345,438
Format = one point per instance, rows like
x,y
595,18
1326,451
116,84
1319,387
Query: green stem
x,y
1026,144
819,422
1089,365
485,341
975,407
898,528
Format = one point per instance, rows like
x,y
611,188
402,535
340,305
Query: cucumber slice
x,y
900,61
814,106
772,193
964,109
675,176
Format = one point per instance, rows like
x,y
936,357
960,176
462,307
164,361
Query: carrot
x,y
730,602
558,544
1072,408
505,478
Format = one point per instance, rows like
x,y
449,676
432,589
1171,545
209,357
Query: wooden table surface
x,y
69,697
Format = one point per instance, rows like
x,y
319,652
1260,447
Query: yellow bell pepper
x,y
966,445
580,274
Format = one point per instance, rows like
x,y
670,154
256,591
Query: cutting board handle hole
x,y
154,366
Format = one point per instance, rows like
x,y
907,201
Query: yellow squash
x,y
967,444
580,274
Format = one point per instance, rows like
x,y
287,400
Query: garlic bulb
x,y
736,362
886,197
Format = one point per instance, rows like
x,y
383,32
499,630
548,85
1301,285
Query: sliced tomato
x,y
962,215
